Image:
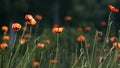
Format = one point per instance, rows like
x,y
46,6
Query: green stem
x,y
93,48
57,50
77,60
107,32
17,66
114,59
30,30
83,60
88,58
28,55
23,31
41,58
13,46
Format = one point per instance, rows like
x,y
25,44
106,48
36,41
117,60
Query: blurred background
x,y
83,12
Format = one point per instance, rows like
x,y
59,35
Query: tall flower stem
x,y
77,60
30,30
94,44
57,48
106,36
87,55
11,60
107,32
23,31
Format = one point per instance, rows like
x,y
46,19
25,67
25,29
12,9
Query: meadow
x,y
60,46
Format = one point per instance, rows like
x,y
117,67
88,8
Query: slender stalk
x,y
30,30
41,58
77,60
88,58
23,31
57,50
50,63
11,60
94,44
119,36
17,66
114,59
83,60
28,55
107,32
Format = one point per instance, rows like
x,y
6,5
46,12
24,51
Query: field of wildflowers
x,y
60,46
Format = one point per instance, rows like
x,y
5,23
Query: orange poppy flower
x,y
103,24
53,61
24,28
32,22
79,29
57,29
47,42
112,39
113,9
6,38
5,28
81,38
36,63
27,36
88,28
3,46
28,17
38,17
68,18
116,45
16,27
22,41
40,45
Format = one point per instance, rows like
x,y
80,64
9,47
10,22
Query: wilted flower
x,y
36,63
16,27
3,46
5,28
100,59
113,9
6,38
